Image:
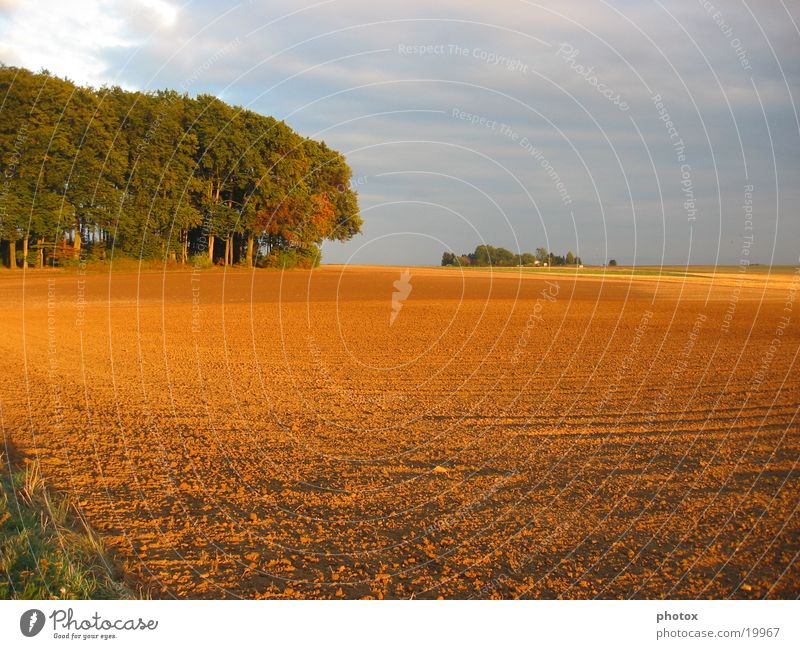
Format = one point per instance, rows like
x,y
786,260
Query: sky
x,y
649,132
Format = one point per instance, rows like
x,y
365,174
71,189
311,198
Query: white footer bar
x,y
355,624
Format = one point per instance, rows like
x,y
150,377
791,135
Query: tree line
x,y
491,256
160,175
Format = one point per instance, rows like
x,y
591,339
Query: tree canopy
x,y
485,255
160,175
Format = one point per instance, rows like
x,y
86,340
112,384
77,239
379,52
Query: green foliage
x,y
200,261
485,255
152,175
542,255
294,258
47,551
612,262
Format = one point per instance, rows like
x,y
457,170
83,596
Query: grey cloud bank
x,y
561,101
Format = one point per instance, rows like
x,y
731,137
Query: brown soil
x,y
270,434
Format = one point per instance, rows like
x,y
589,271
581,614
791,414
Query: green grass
x,y
567,270
628,271
47,550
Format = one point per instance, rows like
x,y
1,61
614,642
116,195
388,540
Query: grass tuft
x,y
47,549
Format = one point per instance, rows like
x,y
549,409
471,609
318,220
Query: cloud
x,y
380,81
73,38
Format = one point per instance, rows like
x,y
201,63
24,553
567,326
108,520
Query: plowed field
x,y
269,434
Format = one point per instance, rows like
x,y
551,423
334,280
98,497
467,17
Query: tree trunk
x,y
250,250
211,248
12,254
227,249
25,252
40,253
76,245
184,245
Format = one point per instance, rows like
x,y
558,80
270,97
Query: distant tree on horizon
x,y
542,255
485,255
